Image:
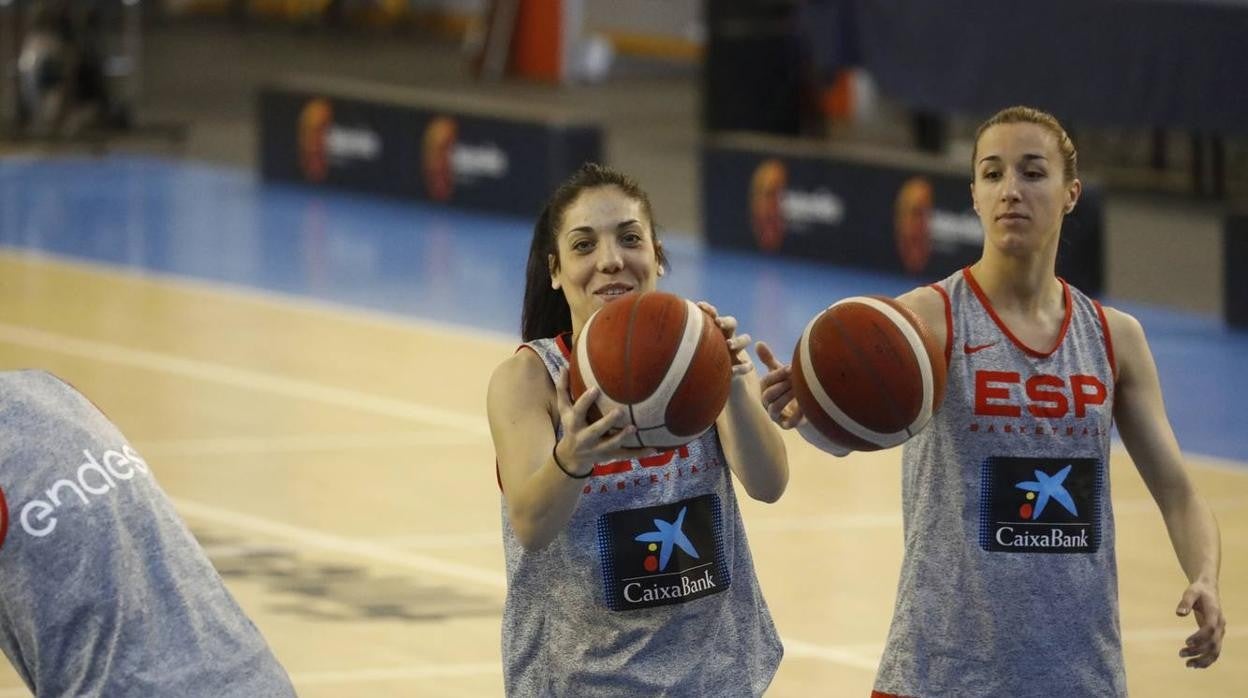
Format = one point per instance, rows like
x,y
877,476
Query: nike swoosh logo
x,y
979,347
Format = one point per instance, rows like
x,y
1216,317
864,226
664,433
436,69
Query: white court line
x,y
262,297
241,378
865,657
1176,634
243,550
1146,504
823,522
307,390
833,522
320,678
487,578
480,539
255,445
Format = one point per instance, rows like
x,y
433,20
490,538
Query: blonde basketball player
x,y
1009,582
628,574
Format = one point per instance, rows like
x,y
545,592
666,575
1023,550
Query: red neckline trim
x,y
561,341
983,300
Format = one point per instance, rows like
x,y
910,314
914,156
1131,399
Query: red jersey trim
x,y
948,321
4,518
983,300
561,341
1109,340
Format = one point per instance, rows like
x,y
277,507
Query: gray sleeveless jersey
x,y
1009,586
650,589
103,591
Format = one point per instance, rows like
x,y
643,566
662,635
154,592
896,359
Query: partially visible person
x,y
1009,585
628,572
103,590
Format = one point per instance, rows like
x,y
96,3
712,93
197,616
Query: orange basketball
x,y
867,373
662,359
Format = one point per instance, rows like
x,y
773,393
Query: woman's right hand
x,y
778,398
585,444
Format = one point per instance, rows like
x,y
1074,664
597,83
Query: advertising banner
x,y
420,146
1235,270
784,196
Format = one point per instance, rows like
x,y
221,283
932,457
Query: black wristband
x,y
555,455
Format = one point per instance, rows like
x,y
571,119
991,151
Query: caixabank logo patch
x,y
666,554
1041,505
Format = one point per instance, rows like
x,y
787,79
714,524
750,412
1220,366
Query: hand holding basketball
x,y
778,397
661,360
583,443
727,324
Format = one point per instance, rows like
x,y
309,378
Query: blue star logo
x,y
669,534
1047,488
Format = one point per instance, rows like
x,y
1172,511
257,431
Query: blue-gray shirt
x,y
103,590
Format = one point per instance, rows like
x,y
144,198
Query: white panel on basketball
x,y
652,411
882,439
649,415
604,402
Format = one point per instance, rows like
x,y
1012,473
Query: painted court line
x,y
483,577
479,539
267,299
832,522
302,443
1174,635
241,378
328,542
854,657
441,671
823,522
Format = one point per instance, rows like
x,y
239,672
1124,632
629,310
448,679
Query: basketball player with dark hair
x,y
627,573
103,590
1009,581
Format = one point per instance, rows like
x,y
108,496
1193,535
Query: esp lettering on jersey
x,y
997,394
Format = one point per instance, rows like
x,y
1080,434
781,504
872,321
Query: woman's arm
x,y
1140,415
541,492
752,446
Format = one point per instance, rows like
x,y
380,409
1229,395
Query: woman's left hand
x,y
737,343
1203,646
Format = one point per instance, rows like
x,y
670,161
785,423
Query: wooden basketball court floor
x,y
295,379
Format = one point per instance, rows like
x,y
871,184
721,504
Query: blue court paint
x,y
462,268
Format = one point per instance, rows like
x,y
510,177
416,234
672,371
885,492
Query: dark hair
x,y
545,312
1031,115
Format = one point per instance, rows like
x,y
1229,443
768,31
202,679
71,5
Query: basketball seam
x,y
690,341
919,350
890,401
628,362
587,368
